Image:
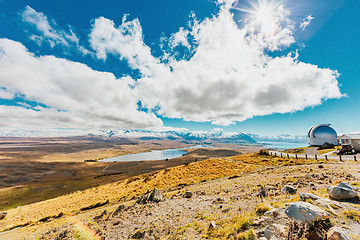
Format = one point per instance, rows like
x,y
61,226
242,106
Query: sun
x,y
265,18
263,13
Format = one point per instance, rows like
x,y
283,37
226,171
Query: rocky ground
x,y
273,201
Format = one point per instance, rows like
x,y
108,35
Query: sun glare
x,y
263,13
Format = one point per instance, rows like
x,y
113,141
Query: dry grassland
x,y
163,179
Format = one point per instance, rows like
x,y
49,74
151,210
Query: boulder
x,y
188,194
288,190
322,202
2,215
305,212
345,185
153,196
342,191
336,233
275,231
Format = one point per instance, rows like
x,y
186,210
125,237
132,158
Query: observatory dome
x,y
322,133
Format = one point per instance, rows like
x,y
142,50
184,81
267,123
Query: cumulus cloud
x,y
124,41
49,32
4,94
229,76
306,22
69,94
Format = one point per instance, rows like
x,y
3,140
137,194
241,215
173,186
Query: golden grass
x,y
323,151
262,208
256,159
352,214
237,227
135,186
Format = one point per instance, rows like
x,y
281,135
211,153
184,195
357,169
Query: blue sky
x,y
263,67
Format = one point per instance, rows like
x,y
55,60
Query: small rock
x,y
275,231
138,235
119,209
61,235
262,192
306,196
336,233
262,221
342,191
154,196
305,212
104,213
274,212
226,210
212,225
2,215
188,194
219,201
311,184
288,190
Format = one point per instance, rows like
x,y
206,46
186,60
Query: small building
x,y
321,135
351,139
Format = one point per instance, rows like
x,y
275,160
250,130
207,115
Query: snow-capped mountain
x,y
280,138
185,135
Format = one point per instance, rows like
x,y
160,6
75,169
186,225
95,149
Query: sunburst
x,y
263,13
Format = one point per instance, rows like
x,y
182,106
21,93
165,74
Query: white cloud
x,y
6,94
49,31
76,95
306,22
180,38
230,76
125,41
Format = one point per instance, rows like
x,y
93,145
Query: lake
x,y
153,155
284,145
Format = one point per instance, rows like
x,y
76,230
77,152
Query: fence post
x,y
306,156
355,157
296,156
281,155
340,158
270,153
315,157
288,156
326,157
275,154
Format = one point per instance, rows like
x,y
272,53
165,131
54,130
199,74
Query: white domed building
x,y
321,134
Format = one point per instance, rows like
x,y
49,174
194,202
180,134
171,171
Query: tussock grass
x,y
352,214
262,208
237,227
